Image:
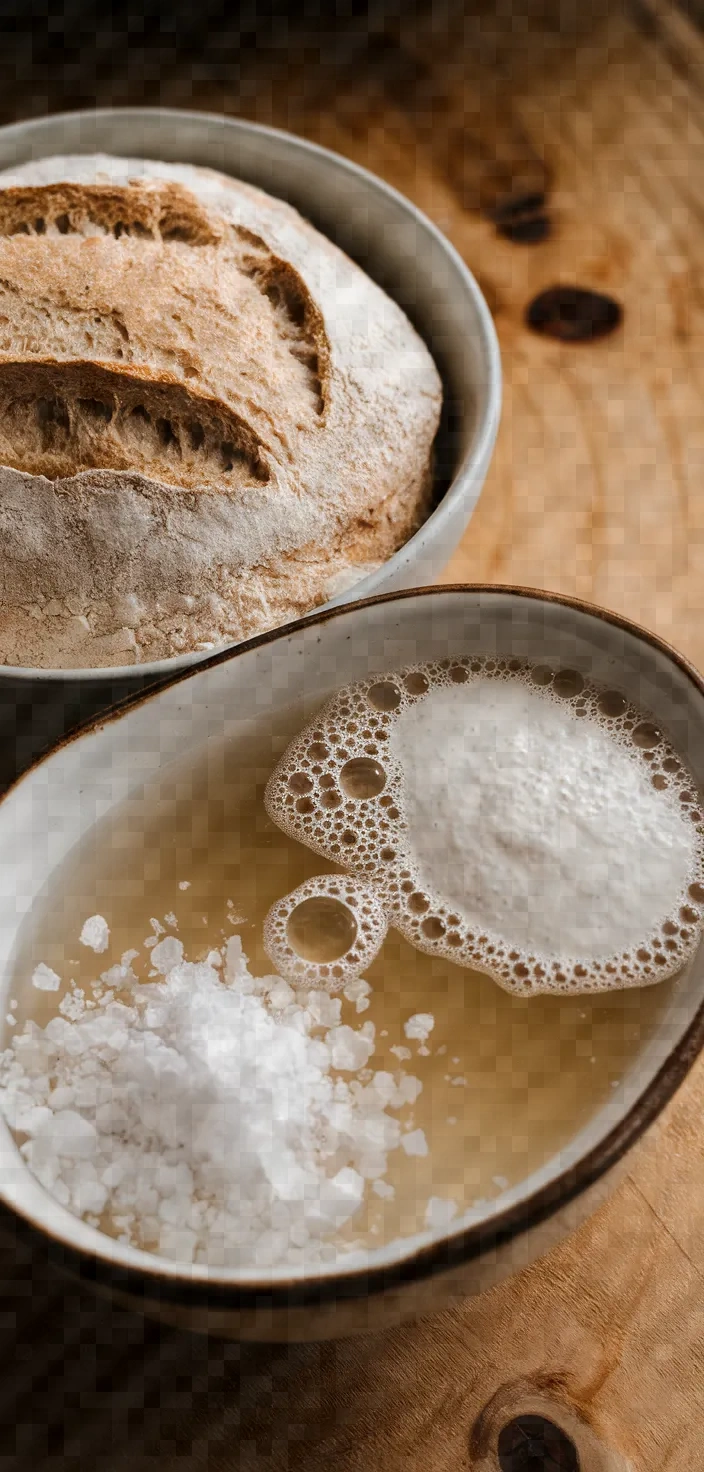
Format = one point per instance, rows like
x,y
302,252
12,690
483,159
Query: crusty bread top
x,y
166,330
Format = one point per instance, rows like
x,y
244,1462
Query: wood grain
x,y
597,490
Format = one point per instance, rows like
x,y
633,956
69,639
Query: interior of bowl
x,y
256,693
398,247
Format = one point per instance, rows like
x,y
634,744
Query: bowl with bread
x,y
240,378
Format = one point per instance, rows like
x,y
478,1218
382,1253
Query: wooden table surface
x,y
597,490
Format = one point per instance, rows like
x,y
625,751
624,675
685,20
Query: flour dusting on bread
x,y
209,416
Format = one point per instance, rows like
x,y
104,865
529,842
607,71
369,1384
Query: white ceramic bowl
x,y
398,247
252,691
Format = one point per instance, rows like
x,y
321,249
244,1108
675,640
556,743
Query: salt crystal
x,y
384,1086
36,1117
171,920
415,1143
340,1197
178,1242
407,1090
44,979
281,995
358,991
419,1027
324,1010
167,955
117,977
400,1052
349,1049
68,1133
184,884
73,1005
383,1189
58,1031
439,1213
95,933
235,959
88,1197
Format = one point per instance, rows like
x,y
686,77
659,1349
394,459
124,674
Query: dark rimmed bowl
x,y
253,690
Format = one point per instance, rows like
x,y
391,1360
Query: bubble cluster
x,y
341,790
326,932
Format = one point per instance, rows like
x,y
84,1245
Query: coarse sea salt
x,y
44,979
439,1213
206,1115
415,1143
419,1027
96,933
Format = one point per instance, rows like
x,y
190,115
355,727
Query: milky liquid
x,y
507,1080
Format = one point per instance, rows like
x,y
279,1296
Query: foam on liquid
x,y
523,822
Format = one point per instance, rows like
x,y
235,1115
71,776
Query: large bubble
x,y
326,932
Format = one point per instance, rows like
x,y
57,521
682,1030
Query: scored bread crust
x,y
210,418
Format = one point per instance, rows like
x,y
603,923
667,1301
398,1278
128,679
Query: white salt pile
x,y
511,817
205,1115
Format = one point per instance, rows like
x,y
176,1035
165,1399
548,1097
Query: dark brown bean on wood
x,y
573,314
526,229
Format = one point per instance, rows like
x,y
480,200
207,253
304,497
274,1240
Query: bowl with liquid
x,y
398,246
148,837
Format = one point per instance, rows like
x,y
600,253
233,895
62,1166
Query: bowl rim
x,y
487,423
473,1241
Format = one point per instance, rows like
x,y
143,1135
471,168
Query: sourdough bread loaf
x,y
210,418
